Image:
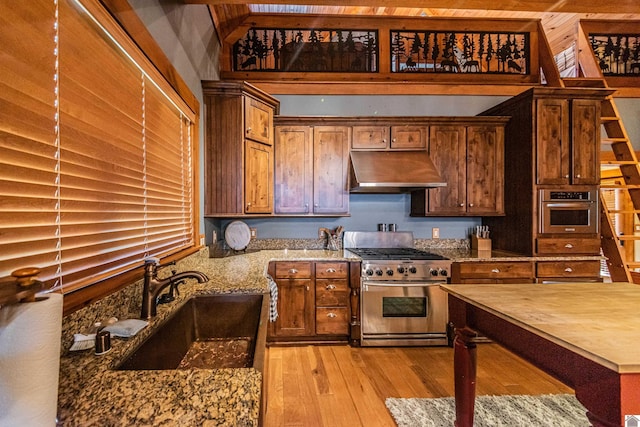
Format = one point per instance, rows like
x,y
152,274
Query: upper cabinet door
x,y
370,137
330,169
409,137
447,149
294,170
485,164
258,178
585,150
258,121
552,132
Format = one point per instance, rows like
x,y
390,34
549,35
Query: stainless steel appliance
x,y
569,211
401,303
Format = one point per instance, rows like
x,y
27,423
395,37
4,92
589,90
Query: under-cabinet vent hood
x,y
392,172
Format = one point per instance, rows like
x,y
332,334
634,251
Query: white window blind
x,y
96,153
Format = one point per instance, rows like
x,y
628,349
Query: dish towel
x,y
273,301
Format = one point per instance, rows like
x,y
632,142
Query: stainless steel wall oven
x,y
568,211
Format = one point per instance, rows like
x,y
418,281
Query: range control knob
x,y
433,271
443,272
413,269
389,272
401,269
368,272
378,272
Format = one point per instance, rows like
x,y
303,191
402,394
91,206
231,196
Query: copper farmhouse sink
x,y
207,332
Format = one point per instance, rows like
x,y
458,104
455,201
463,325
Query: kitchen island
x,y
584,334
92,392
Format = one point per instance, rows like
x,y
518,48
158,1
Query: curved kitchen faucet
x,y
153,286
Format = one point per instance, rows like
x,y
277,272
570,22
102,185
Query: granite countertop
x,y
91,392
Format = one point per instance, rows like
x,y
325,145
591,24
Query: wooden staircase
x,y
621,174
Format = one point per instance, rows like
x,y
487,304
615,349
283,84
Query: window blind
x,y
96,153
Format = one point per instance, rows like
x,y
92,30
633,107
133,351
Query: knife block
x,y
480,244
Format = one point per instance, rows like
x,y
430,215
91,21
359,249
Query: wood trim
x,y
122,12
568,6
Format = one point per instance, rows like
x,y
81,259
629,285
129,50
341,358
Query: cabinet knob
x,y
332,315
461,205
568,270
315,205
470,205
568,246
307,287
330,287
331,270
393,140
566,176
248,205
578,176
384,140
495,270
306,207
248,130
293,271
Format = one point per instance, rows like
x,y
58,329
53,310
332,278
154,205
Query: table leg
x,y
464,365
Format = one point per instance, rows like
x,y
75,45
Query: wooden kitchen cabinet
x,y
470,159
395,137
552,142
238,153
482,272
296,299
332,298
313,301
311,174
568,141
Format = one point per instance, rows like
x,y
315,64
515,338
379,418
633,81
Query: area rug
x,y
557,410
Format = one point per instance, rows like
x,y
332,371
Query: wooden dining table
x,y
587,335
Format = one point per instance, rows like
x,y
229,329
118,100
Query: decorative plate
x,y
237,235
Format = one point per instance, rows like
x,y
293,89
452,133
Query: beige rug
x,y
557,410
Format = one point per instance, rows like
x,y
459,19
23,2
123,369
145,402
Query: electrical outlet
x,y
254,232
435,233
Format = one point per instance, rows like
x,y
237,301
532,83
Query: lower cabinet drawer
x,y
568,246
566,269
294,270
493,270
332,292
332,321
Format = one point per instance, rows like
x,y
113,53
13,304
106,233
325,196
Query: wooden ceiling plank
x,y
567,6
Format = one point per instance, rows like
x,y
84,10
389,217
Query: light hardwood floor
x,y
343,386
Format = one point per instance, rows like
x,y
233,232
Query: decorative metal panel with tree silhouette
x,y
617,54
427,51
307,50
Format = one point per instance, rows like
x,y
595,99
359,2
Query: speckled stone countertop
x,y
92,393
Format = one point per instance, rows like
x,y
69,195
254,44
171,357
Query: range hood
x,y
392,172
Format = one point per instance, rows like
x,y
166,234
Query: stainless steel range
x,y
401,302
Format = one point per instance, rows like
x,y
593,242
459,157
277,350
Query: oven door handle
x,y
365,285
568,204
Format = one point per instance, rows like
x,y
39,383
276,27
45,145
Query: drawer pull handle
x,y
495,270
332,315
568,270
568,246
293,271
330,287
331,270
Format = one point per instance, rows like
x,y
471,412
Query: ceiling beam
x,y
567,6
